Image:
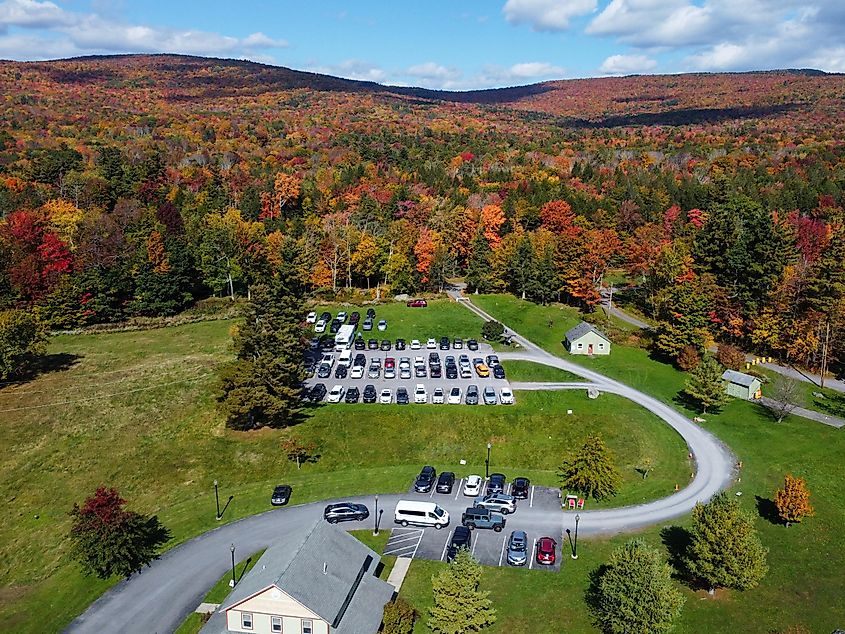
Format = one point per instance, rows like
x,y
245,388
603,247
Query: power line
x,y
14,392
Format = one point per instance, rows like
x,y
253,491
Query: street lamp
x,y
234,581
375,519
487,462
575,549
217,500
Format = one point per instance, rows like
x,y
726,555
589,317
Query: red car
x,y
417,303
546,551
389,362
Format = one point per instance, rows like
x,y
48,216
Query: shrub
x,y
689,358
399,617
492,331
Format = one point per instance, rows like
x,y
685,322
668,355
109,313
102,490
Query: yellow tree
x,y
64,219
793,500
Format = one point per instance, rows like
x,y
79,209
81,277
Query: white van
x,y
420,514
345,358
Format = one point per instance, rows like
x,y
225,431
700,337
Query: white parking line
x,y
508,488
446,545
407,538
531,503
396,544
502,555
460,488
474,542
533,551
431,495
414,554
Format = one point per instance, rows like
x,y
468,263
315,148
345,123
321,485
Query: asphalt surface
x,y
160,597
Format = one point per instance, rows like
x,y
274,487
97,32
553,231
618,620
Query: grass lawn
x,y
218,594
136,411
527,371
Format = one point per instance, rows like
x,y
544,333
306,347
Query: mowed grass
x,y
805,584
136,411
528,371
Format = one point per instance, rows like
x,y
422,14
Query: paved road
x,y
159,598
606,302
825,419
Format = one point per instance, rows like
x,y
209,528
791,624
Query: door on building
x,y
590,349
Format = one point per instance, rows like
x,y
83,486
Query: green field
x,y
536,372
136,411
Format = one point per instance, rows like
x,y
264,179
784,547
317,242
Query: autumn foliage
x,y
793,500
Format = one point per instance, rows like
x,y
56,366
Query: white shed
x,y
587,339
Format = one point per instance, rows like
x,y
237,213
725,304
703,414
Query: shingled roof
x,y
739,378
576,332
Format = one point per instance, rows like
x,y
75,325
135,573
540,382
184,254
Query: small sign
x,y
569,411
463,461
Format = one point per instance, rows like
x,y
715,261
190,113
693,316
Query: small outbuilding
x,y
742,385
586,339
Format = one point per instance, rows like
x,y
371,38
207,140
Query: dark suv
x,y
496,483
369,394
352,395
345,512
520,488
461,538
472,395
425,480
476,517
445,482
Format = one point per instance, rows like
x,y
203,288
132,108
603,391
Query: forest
x,y
140,185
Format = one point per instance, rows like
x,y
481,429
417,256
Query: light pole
x,y
234,581
487,462
375,519
575,549
217,501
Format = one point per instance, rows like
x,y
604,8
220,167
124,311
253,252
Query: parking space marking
x,y
531,503
396,545
474,543
446,545
502,555
431,495
508,488
533,551
460,488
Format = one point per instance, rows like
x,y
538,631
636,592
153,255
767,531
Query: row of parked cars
x,y
333,324
353,394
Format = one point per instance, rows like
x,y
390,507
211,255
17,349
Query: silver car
x,y
518,548
500,502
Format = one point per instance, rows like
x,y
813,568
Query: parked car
x,y
352,395
317,393
472,485
415,344
489,395
369,395
498,372
518,548
400,344
335,394
320,326
445,482
360,359
458,344
420,395
417,303
455,396
372,344
281,494
520,487
438,397
431,344
482,370
385,345
420,372
425,480
326,316
506,396
496,483
382,325
371,313
360,344
500,502
354,318
324,371
492,360
466,372
345,512
452,371
444,343
340,372
472,395
314,344
436,372
472,344
357,372
405,372
336,324
386,396
341,317
476,517
546,547
402,396
368,324
461,538
433,358
374,372
312,318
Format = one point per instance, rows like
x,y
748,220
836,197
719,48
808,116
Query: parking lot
x,y
539,516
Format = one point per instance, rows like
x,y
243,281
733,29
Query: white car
x,y
341,316
455,396
472,486
431,344
386,397
419,362
312,318
335,394
420,395
382,325
438,397
404,372
506,396
415,344
357,372
320,326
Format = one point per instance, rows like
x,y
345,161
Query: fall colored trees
x,y
793,500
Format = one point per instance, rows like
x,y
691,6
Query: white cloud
x,y
33,14
431,70
627,65
653,22
530,70
352,69
546,15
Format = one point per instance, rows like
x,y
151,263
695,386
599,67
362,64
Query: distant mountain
x,y
633,100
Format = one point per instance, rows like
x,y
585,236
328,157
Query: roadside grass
x,y
528,371
136,411
377,543
218,593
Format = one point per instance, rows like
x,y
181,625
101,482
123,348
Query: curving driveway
x,y
160,597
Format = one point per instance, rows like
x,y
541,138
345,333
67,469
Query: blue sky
x,y
457,44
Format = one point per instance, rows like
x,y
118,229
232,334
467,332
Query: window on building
x,y
580,345
246,620
275,624
601,345
307,627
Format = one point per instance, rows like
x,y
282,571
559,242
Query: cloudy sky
x,y
452,44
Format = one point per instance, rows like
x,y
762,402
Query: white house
x,y
586,339
322,582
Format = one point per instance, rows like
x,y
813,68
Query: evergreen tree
x,y
634,592
793,500
591,471
459,606
705,384
521,268
109,540
262,387
478,265
725,550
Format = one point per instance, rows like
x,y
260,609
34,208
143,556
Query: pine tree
x,y
793,500
725,550
262,387
521,268
459,606
705,384
634,592
591,471
478,264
